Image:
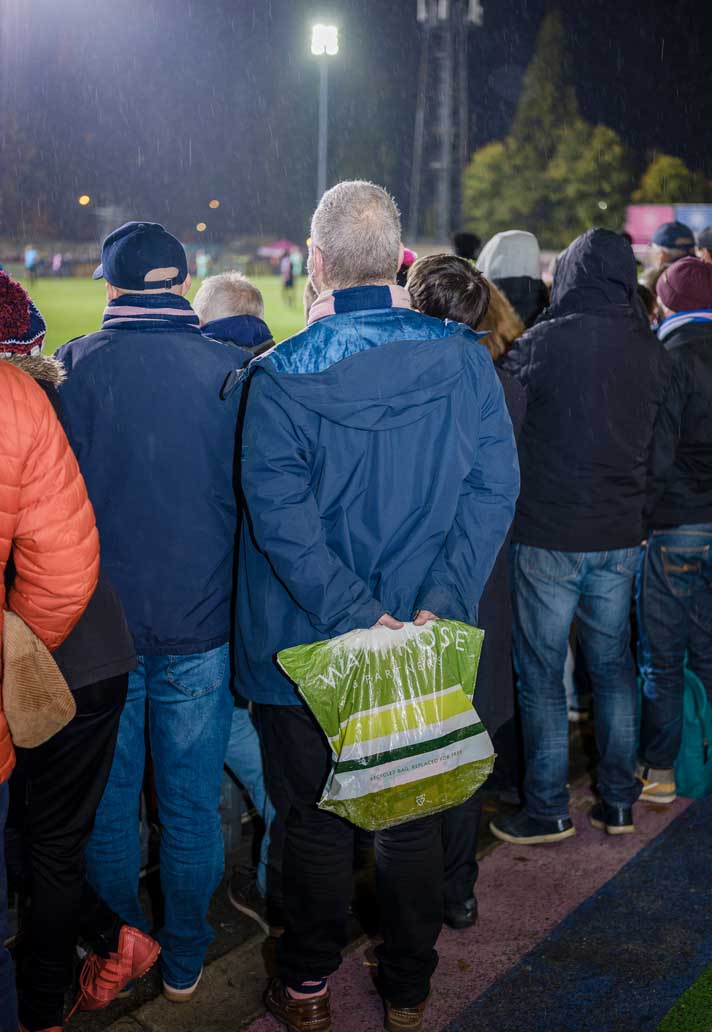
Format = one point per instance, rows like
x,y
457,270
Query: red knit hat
x,y
686,285
22,328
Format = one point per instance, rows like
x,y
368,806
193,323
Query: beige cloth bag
x,y
35,698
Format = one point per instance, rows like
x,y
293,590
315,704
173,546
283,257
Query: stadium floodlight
x,y
324,43
84,199
215,203
201,227
325,40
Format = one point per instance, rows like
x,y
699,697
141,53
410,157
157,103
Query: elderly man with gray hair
x,y
380,475
231,309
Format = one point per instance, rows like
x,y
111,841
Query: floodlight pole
x,y
323,126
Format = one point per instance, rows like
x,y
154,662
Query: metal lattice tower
x,y
442,115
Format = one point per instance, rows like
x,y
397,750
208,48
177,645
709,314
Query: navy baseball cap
x,y
137,248
704,238
674,236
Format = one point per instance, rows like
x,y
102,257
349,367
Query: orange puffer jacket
x,y
46,519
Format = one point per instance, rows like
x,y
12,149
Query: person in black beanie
x,y
466,245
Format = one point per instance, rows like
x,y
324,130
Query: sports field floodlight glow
x,y
84,199
214,203
324,43
201,227
325,40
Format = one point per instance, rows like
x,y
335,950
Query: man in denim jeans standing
x,y
595,379
675,584
156,446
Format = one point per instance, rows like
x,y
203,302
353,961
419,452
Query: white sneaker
x,y
181,995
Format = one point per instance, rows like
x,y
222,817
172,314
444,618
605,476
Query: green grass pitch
x,y
72,307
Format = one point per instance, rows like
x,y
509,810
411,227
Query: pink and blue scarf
x,y
674,322
151,313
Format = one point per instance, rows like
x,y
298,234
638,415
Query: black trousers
x,y
57,788
460,828
318,870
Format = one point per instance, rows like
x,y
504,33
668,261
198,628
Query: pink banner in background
x,y
643,219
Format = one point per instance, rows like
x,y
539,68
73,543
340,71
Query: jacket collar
x,y
358,299
248,331
151,313
40,367
675,322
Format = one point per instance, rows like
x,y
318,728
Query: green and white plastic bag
x,y
396,707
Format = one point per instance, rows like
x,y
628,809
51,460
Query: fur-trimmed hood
x,y
40,367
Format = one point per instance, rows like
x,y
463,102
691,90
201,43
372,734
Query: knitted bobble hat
x,y
22,328
686,286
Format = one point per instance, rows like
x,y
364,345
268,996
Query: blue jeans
x,y
674,595
550,589
8,999
244,759
189,707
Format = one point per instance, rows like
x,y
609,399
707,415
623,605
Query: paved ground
x,y
240,960
525,895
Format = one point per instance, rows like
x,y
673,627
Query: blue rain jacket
x,y
380,475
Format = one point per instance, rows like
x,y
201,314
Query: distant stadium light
x,y
214,203
201,227
84,199
325,40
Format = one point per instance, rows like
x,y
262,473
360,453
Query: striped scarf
x,y
358,299
674,322
151,313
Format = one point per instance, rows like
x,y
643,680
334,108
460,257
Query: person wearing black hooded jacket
x,y
595,378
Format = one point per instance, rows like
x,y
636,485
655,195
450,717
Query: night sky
x,y
162,104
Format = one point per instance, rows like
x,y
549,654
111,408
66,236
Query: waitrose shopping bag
x,y
396,707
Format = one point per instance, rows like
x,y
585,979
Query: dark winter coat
x,y
100,646
156,446
380,474
681,490
242,331
494,696
595,377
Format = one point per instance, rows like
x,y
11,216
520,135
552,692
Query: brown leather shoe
x,y
405,1019
312,1015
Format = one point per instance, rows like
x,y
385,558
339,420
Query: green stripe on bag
x,y
417,749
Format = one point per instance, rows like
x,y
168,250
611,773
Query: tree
x,y
547,104
484,184
588,181
668,180
555,174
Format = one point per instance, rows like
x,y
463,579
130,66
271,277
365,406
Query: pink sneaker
x,y
103,978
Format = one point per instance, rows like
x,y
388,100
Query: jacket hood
x,y
247,331
514,253
389,385
40,367
595,274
